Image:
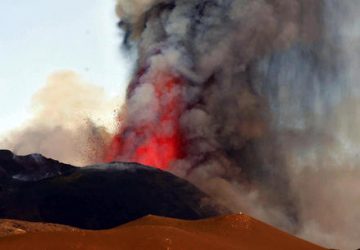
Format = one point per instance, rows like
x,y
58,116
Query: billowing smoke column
x,y
246,99
191,99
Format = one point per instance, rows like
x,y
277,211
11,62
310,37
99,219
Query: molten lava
x,y
156,143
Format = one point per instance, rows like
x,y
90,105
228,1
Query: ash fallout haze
x,y
254,102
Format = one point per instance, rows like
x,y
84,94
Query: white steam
x,y
71,121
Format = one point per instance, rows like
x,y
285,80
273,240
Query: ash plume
x,y
268,95
69,121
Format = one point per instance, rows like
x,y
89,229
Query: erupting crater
x,y
158,141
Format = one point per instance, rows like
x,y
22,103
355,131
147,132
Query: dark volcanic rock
x,y
30,167
103,196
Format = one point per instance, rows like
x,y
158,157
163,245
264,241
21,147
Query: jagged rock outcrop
x,y
30,167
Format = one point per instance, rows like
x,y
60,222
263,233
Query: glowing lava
x,y
157,142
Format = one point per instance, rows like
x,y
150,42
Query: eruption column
x,y
264,122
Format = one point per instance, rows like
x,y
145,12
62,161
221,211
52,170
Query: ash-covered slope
x,y
16,227
235,232
99,197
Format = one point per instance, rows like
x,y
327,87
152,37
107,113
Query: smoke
x,y
313,93
71,121
269,105
254,101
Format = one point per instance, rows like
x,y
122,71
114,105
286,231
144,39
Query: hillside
x,y
239,232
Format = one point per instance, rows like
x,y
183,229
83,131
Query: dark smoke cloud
x,y
70,121
271,104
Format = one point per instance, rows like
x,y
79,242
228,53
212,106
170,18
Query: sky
x,y
40,37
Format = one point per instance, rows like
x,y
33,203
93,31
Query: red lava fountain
x,y
156,143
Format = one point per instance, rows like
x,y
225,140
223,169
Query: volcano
x,y
247,100
131,206
94,197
